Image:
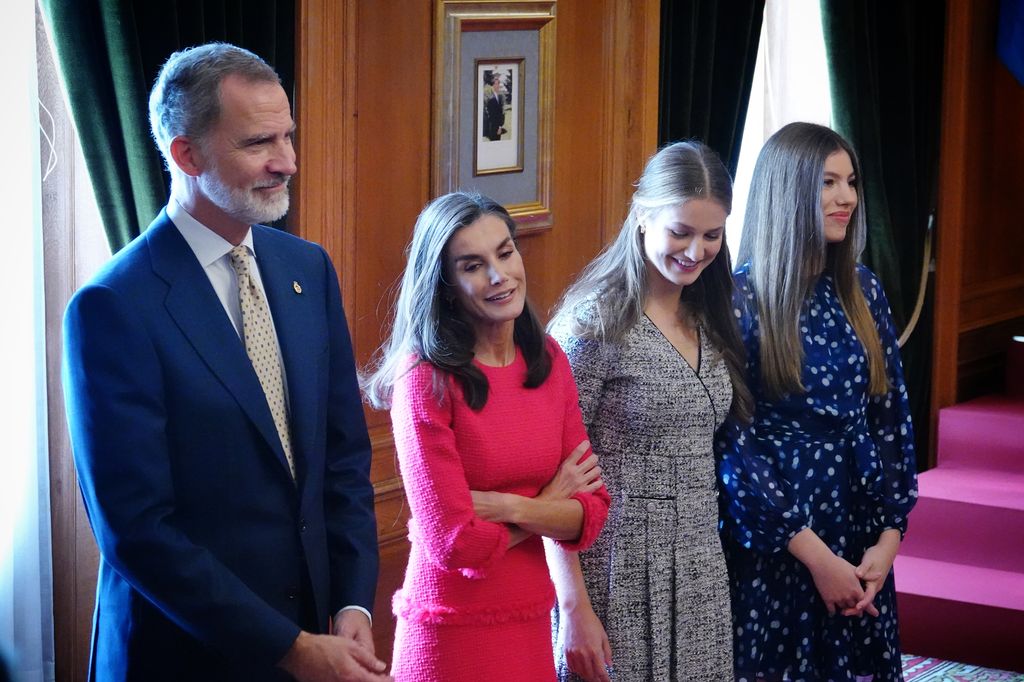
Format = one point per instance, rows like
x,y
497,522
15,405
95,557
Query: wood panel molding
x,y
392,511
324,191
987,302
981,362
993,286
952,208
631,67
325,116
991,302
385,467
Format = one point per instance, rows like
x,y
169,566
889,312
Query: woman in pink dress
x,y
492,450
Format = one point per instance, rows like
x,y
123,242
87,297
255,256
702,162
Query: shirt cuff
x,y
360,609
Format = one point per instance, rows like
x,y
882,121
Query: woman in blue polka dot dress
x,y
816,491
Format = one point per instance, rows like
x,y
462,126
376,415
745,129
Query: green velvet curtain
x,y
885,67
110,52
708,52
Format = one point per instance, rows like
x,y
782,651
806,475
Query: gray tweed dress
x,y
656,575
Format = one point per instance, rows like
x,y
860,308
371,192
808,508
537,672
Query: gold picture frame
x,y
474,32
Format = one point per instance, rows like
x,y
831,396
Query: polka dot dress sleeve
x,y
443,520
756,508
889,418
595,504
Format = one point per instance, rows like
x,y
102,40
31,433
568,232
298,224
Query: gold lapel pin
x,y
297,287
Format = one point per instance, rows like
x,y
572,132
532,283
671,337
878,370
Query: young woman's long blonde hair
x,y
607,299
784,242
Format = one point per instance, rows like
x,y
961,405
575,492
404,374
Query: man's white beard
x,y
244,204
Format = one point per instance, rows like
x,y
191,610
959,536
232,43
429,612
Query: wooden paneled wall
x,y
363,112
980,251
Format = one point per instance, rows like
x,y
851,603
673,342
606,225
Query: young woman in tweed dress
x,y
650,336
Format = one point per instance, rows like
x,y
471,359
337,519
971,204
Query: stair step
x,y
972,485
968,516
985,432
959,612
961,583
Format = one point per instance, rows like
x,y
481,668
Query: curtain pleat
x,y
885,68
708,53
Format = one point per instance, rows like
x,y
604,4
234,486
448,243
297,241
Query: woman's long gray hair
x,y
607,299
784,242
430,326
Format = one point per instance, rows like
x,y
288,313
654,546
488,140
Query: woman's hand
x,y
574,476
874,569
835,578
838,585
587,651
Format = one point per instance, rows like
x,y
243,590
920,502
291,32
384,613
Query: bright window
x,y
25,609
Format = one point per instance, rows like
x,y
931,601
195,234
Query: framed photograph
x,y
499,117
493,104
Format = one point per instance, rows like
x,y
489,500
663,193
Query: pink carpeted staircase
x,y
960,572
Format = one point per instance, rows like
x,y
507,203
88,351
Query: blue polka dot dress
x,y
834,459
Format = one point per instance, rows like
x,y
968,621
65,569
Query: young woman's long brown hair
x,y
784,242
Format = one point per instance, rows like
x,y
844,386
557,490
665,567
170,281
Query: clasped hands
x,y
346,655
850,590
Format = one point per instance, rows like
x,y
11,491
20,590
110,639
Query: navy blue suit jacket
x,y
205,540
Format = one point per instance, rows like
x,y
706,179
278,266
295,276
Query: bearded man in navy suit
x,y
215,415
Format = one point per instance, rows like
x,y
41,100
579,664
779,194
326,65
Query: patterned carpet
x,y
920,669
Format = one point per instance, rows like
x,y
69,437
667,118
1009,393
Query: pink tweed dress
x,y
470,607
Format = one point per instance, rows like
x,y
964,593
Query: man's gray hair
x,y
185,99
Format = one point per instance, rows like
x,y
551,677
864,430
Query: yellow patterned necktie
x,y
261,345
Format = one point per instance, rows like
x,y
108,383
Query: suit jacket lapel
x,y
193,305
